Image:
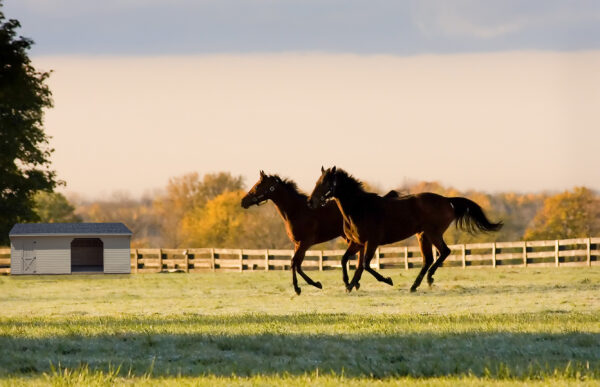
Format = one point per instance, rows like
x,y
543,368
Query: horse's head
x,y
261,191
324,188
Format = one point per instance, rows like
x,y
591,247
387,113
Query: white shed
x,y
65,248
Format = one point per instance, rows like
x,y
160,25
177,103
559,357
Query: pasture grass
x,y
474,327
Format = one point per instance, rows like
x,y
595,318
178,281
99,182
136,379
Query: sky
x,y
493,96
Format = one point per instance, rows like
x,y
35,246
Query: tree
x,y
217,224
222,222
24,150
264,228
137,214
214,184
53,207
187,193
567,215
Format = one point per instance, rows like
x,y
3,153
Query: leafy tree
x,y
171,207
214,184
52,207
222,222
218,223
567,215
187,193
24,149
137,214
264,228
517,212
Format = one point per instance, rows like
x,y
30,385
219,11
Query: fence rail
x,y
557,253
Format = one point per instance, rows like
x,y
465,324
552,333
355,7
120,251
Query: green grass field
x,y
474,327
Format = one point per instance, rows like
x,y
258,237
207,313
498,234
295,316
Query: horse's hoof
x,y
357,286
348,288
413,289
298,291
430,281
389,281
318,285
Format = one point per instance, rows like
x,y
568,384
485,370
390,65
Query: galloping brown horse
x,y
371,220
304,226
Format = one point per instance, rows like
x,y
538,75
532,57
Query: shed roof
x,y
23,229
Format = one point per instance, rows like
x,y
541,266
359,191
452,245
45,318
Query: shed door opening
x,y
87,255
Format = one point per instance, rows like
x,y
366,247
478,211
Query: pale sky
x,y
475,95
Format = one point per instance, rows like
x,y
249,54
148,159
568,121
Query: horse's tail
x,y
470,217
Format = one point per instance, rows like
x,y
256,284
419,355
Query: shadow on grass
x,y
140,346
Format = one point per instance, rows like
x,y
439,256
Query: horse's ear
x,y
333,169
262,173
322,169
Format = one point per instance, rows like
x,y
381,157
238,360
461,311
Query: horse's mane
x,y
351,182
291,187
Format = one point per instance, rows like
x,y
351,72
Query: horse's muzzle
x,y
246,202
315,203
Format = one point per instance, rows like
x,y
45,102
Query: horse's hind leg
x,y
297,264
425,245
442,247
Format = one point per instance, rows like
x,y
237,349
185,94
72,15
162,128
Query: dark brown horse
x,y
371,220
304,226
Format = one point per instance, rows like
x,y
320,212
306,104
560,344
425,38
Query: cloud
x,y
488,20
163,27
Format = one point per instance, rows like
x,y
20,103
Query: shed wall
x,y
117,255
16,252
53,254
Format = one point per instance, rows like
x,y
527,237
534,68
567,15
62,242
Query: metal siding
x,y
16,255
53,255
117,258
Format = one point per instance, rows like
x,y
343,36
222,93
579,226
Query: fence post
x,y
159,260
525,253
320,260
267,260
212,259
464,256
377,259
241,260
406,257
494,255
186,261
556,253
135,259
588,248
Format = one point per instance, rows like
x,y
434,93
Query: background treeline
x,y
205,211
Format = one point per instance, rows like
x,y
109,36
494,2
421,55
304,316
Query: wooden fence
x,y
557,253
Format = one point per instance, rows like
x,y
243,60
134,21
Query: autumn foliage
x,y
571,214
205,211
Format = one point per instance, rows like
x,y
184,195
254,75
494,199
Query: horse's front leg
x,y
352,249
297,261
297,252
369,251
378,277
